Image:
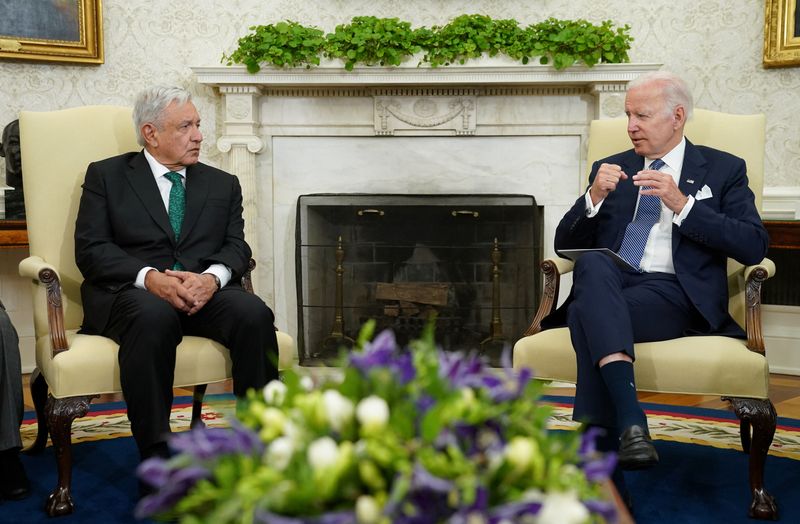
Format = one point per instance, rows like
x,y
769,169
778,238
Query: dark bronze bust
x,y
10,149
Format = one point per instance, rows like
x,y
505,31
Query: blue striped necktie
x,y
638,231
177,207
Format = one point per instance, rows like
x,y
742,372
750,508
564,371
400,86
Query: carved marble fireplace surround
x,y
477,129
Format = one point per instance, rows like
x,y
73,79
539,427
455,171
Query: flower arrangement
x,y
403,435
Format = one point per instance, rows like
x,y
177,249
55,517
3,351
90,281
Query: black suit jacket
x,y
724,225
123,226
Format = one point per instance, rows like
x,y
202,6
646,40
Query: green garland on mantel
x,y
370,41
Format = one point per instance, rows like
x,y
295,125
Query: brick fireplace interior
x,y
470,260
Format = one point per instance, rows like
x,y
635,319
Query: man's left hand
x,y
663,186
200,287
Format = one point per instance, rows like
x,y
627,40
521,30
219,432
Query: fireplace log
x,y
431,293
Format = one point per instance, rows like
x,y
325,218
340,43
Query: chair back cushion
x,y
56,148
741,135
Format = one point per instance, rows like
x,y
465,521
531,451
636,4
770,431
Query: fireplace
x,y
471,261
290,132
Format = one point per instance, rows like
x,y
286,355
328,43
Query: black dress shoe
x,y
636,450
14,484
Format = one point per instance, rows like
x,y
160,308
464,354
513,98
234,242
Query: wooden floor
x,y
784,392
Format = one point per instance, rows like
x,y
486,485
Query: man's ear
x,y
679,115
149,134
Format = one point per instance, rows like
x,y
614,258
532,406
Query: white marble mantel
x,y
488,127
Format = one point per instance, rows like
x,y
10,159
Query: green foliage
x,y
285,44
568,41
369,41
372,41
470,36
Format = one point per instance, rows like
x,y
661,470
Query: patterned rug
x,y
702,478
705,427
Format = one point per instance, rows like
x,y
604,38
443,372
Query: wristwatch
x,y
216,281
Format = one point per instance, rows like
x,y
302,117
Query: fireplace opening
x,y
470,260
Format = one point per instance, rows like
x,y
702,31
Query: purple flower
x,y
601,468
383,352
462,371
209,443
512,511
603,508
170,491
588,447
421,479
154,471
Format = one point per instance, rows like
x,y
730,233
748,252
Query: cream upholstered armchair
x,y
735,369
75,368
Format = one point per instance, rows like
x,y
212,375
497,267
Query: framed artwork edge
x,y
781,46
87,50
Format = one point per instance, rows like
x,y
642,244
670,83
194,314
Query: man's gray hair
x,y
676,92
150,105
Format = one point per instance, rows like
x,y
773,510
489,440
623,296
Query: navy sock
x,y
618,376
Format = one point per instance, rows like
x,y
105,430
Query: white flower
x,y
562,508
338,408
520,452
367,510
275,392
372,413
322,453
280,453
307,383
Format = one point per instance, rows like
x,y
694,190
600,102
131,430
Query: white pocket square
x,y
704,193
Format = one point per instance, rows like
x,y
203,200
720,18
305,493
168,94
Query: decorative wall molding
x,y
456,114
781,203
476,73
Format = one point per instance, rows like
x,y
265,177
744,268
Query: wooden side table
x,y
13,234
783,234
784,247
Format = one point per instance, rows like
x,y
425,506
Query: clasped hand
x,y
185,291
658,183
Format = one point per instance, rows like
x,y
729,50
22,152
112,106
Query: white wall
x,y
715,44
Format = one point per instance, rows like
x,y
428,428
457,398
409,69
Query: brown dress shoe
x,y
636,450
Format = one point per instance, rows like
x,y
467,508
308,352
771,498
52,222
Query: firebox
x,y
470,262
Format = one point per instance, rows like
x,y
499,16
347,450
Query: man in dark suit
x,y
675,212
159,239
14,484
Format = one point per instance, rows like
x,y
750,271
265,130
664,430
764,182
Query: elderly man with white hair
x,y
159,239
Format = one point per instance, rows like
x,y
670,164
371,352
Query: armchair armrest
x,y
552,269
754,276
36,268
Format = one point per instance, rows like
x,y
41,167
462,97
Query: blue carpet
x,y
693,484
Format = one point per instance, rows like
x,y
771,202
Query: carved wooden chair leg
x,y
39,396
60,414
197,406
761,416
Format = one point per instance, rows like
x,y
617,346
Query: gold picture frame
x,y
782,33
68,31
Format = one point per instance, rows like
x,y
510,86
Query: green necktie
x,y
177,206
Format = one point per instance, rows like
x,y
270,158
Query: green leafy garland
x,y
368,40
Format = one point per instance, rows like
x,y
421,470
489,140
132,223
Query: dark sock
x,y
618,376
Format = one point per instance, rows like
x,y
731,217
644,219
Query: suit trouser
x,y
610,311
11,404
148,330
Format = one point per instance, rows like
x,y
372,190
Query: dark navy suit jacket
x,y
725,225
123,226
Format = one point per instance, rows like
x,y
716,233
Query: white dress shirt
x,y
657,255
222,272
